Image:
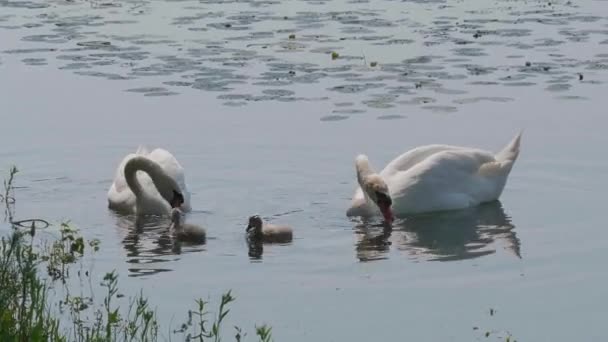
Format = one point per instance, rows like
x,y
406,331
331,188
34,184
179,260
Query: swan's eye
x,y
383,199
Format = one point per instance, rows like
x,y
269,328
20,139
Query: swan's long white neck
x,y
364,169
156,173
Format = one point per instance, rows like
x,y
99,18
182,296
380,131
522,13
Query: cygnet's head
x,y
255,223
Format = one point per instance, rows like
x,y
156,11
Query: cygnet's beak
x,y
248,228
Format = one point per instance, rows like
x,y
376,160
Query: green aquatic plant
x,y
29,313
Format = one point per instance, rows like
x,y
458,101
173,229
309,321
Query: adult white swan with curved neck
x,y
432,178
149,184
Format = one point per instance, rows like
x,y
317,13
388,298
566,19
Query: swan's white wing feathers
x,y
445,180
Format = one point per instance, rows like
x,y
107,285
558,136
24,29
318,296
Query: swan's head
x,y
377,190
171,192
255,223
374,187
177,199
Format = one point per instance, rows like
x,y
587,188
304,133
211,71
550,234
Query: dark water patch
x,y
228,26
446,91
109,76
440,109
391,117
548,42
595,65
278,92
287,98
518,84
355,30
561,79
420,60
34,61
471,52
378,104
484,83
178,83
356,88
418,101
476,70
375,78
214,84
147,90
235,103
120,22
273,83
457,60
443,75
45,38
516,77
571,97
482,99
395,42
32,25
400,90
233,97
540,68
574,36
161,93
521,46
344,104
127,56
558,87
152,70
84,20
76,58
95,44
349,111
24,51
288,46
23,4
309,78
333,117
75,66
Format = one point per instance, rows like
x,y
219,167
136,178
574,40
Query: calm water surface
x,y
249,99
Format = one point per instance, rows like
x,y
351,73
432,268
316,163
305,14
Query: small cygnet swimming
x,y
184,231
257,230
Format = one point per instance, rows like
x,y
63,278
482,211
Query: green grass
x,y
32,275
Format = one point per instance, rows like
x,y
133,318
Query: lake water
x,y
264,120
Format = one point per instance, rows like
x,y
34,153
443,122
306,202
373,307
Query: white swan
x,y
432,178
149,184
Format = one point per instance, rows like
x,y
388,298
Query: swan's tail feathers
x,y
511,151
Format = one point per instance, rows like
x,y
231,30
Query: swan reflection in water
x,y
445,236
149,244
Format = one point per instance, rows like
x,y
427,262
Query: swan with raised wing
x,y
149,184
432,178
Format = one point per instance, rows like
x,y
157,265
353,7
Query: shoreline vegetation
x,y
46,293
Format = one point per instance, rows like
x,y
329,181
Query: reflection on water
x,y
446,236
150,244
